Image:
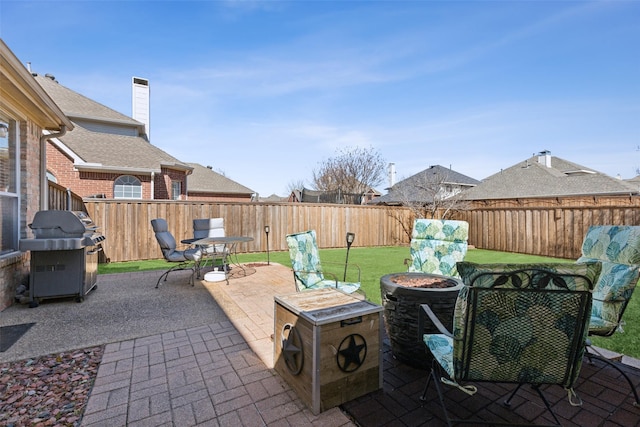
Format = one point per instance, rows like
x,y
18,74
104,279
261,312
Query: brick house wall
x,y
87,184
14,270
164,180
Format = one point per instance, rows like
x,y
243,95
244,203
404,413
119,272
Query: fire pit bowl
x,y
402,294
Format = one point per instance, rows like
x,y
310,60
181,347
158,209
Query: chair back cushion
x,y
618,248
209,227
305,259
437,245
166,240
522,323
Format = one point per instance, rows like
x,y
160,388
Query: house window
x,y
9,197
176,186
127,187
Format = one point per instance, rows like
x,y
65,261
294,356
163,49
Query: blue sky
x,y
264,91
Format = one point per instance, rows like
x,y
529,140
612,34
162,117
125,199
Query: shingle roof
x,y
103,150
75,105
531,178
206,180
112,150
408,190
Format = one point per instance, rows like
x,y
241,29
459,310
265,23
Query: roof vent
x,y
51,77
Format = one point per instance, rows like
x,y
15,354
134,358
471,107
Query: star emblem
x,y
292,349
352,351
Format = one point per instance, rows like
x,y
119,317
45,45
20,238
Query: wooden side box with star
x,y
328,346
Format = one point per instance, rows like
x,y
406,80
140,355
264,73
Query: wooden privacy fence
x,y
126,224
555,228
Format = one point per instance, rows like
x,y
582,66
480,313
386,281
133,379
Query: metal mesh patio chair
x,y
308,272
188,259
212,227
513,323
618,249
437,245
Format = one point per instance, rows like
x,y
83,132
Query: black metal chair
x,y
188,259
519,324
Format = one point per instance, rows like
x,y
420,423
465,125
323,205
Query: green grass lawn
x,y
375,262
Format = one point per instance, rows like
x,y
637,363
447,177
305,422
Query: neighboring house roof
x,y
317,196
103,139
411,189
306,195
203,179
274,198
547,176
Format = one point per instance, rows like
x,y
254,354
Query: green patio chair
x,y
618,248
437,245
309,273
513,323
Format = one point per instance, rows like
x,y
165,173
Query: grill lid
x,y
58,223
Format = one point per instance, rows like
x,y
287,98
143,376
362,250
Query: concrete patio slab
x,y
202,355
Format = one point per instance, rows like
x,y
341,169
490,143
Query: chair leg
x,y
441,398
423,397
536,387
165,274
181,266
546,403
508,401
434,374
615,366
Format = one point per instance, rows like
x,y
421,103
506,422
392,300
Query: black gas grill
x,y
64,255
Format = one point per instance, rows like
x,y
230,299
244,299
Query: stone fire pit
x,y
402,294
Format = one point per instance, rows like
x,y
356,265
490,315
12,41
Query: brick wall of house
x,y
85,183
164,180
14,270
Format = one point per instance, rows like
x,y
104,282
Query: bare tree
x,y
295,185
350,174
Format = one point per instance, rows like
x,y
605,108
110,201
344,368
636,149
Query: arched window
x,y
127,187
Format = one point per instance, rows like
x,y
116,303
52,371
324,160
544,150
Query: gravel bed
x,y
50,390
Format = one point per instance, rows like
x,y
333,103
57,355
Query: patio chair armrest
x,y
424,312
188,243
407,262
